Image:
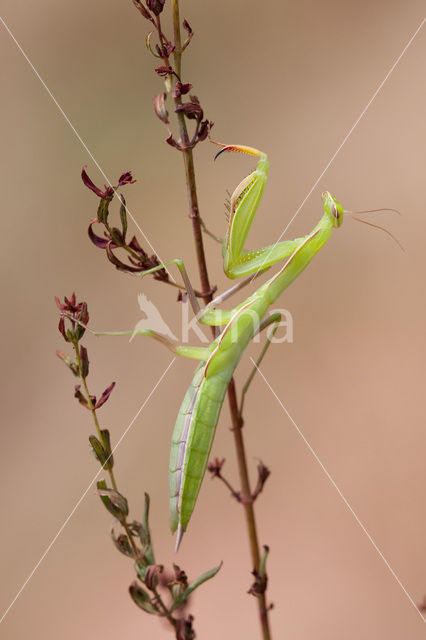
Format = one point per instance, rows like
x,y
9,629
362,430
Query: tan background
x,y
290,78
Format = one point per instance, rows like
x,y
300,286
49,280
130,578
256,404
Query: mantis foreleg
x,y
238,261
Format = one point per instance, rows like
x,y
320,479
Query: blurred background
x,y
291,79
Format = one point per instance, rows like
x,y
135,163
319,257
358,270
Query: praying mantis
x,y
199,413
200,410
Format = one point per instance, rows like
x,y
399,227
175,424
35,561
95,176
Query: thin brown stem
x,y
123,521
188,159
125,524
237,425
237,421
228,485
163,607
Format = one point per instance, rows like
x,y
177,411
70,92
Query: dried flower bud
x,y
151,575
167,49
160,107
82,399
187,27
204,130
139,6
184,628
164,71
107,194
180,582
125,178
172,142
260,578
181,89
97,240
156,6
108,191
192,110
113,501
122,543
263,474
71,309
105,395
215,467
68,361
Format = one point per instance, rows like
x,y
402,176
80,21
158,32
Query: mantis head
x,y
333,208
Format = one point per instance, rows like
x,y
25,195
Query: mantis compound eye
x,y
333,208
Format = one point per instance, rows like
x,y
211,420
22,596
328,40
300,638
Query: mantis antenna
x,y
384,210
376,226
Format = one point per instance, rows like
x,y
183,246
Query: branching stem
x,y
125,524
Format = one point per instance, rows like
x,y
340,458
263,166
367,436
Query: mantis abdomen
x,y
193,438
191,442
200,410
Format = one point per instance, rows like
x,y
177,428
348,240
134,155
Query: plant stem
x,y
246,499
123,521
237,421
188,159
163,607
136,552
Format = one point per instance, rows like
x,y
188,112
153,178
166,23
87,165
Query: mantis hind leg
x,y
189,288
197,353
274,319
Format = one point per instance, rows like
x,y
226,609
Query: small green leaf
x,y
103,211
263,559
194,585
106,440
84,359
122,543
142,599
141,569
123,217
106,443
116,498
112,499
116,236
69,362
145,535
98,450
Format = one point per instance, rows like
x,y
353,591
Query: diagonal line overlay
x,y
345,139
80,139
84,494
339,491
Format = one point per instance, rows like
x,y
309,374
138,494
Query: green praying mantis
x,y
200,410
